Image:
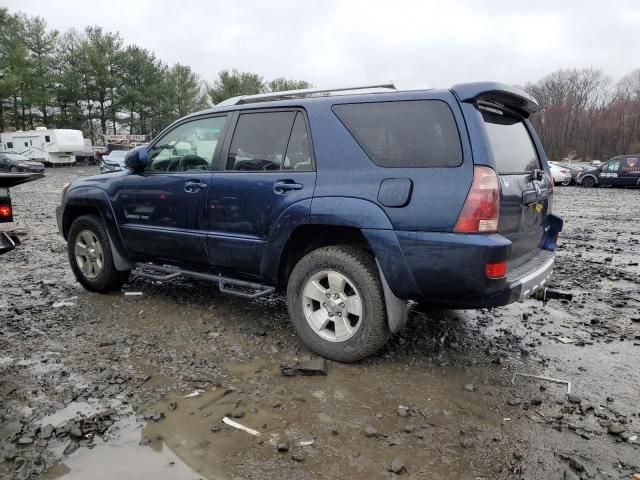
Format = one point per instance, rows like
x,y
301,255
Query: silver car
x,y
113,162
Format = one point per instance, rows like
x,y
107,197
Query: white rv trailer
x,y
55,146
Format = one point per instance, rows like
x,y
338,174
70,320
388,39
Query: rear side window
x,y
9,144
420,133
260,140
512,147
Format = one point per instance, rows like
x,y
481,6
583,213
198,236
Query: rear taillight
x,y
5,211
564,171
481,210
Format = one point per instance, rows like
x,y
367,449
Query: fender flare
x,y
348,212
590,175
97,199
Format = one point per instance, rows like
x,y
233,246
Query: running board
x,y
239,288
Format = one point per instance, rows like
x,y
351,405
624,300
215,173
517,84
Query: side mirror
x,y
137,158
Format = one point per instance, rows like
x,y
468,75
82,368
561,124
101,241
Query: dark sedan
x,y
16,163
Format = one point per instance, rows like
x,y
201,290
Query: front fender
x,y
96,199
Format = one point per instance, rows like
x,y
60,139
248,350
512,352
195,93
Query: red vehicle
x,y
8,240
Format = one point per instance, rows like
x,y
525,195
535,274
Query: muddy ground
x,y
94,386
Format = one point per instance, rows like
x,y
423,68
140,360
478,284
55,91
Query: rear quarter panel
x,y
345,171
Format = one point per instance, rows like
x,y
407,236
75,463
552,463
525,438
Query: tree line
x,y
584,114
91,81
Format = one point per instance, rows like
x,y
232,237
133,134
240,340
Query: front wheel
x,y
588,182
90,256
336,303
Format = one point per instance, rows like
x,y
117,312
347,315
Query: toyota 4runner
x,y
352,203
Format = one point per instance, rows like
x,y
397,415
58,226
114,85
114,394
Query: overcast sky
x,y
332,43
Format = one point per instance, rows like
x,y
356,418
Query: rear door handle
x,y
194,186
284,186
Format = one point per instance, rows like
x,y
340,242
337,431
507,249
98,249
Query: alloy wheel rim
x,y
89,254
332,306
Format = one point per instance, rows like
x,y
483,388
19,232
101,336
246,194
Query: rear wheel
x,y
588,182
566,184
90,256
336,303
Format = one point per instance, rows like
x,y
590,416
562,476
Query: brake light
x,y
564,170
5,211
496,270
481,211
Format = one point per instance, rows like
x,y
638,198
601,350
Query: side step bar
x,y
239,288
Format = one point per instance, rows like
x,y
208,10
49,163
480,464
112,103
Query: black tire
x,y
361,270
109,279
566,184
588,182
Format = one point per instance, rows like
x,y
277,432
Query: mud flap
x,y
550,239
121,263
397,308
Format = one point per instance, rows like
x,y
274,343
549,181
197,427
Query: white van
x,y
55,146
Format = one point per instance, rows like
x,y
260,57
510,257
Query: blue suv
x,y
353,203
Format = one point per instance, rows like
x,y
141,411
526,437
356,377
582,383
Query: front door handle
x,y
194,186
284,186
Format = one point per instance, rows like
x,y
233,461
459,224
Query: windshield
x,y
16,156
116,154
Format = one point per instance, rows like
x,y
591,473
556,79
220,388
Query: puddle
x,y
330,413
122,458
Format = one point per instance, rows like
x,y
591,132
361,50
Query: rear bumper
x,y
449,268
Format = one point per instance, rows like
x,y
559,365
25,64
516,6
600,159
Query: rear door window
x,y
420,133
512,147
298,156
260,141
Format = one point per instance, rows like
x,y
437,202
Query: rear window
x,y
513,150
419,133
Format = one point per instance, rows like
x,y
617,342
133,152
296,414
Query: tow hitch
x,y
546,294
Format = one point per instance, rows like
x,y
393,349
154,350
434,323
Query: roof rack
x,y
297,93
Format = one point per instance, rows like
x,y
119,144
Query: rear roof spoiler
x,y
498,94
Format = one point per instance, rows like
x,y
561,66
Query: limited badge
x,y
538,207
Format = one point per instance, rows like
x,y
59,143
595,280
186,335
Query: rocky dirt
x,y
135,384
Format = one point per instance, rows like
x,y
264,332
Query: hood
x,y
103,181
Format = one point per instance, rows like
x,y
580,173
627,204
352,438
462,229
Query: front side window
x,y
511,144
420,133
612,166
260,141
188,147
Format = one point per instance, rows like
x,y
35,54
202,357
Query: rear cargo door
x,y
525,188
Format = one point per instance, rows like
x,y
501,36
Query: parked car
x,y
560,174
574,170
16,163
353,204
595,163
113,162
8,239
620,171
